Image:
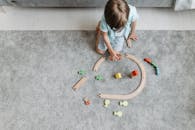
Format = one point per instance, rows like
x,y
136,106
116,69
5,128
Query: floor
x,y
14,18
39,68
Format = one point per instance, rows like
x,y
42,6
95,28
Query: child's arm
x,y
110,49
132,34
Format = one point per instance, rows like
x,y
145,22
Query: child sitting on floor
x,y
117,26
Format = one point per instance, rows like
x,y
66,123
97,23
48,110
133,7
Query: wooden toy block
x,y
123,103
118,76
148,60
86,101
154,65
98,77
157,71
106,102
134,73
81,72
118,113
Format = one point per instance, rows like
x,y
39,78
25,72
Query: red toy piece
x,y
148,60
134,73
87,101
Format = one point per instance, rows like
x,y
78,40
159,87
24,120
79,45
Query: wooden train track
x,y
79,83
98,63
134,93
131,94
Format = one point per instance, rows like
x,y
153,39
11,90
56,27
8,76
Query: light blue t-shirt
x,y
133,16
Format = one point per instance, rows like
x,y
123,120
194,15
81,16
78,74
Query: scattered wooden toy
x,y
81,72
148,60
118,76
139,88
99,77
157,71
134,73
123,103
118,113
98,63
79,83
86,101
106,102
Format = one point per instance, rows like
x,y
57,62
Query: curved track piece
x,y
98,63
136,91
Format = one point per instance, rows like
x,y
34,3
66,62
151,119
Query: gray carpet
x,y
38,69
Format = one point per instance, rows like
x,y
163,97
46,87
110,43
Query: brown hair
x,y
116,13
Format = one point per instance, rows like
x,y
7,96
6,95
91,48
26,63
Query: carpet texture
x,y
39,68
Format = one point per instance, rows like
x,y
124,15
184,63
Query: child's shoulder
x,y
133,15
132,8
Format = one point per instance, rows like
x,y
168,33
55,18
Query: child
x,y
116,27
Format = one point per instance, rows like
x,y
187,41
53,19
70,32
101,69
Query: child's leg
x,y
98,34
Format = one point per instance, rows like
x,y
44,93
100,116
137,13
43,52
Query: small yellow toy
x,y
118,76
106,102
118,113
123,103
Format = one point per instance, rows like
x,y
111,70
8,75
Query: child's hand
x,y
133,36
115,56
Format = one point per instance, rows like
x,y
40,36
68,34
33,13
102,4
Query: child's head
x,y
116,13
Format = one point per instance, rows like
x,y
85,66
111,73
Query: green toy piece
x,y
157,71
106,102
123,103
81,72
118,113
154,65
98,77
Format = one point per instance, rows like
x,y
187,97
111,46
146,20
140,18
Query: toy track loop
x,y
132,94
